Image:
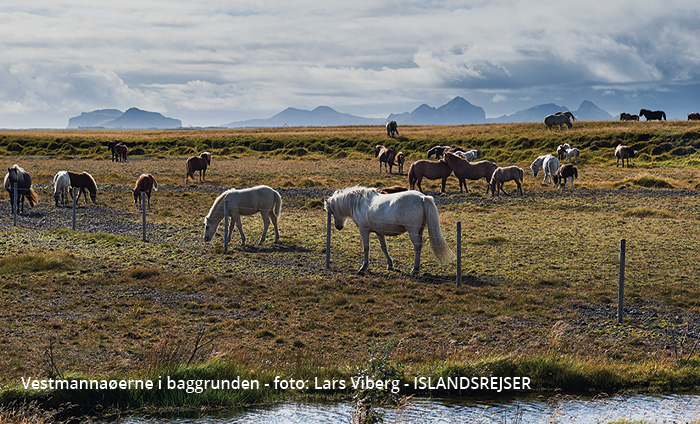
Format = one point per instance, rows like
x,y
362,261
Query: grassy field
x,y
539,295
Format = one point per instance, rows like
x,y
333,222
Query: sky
x,y
214,62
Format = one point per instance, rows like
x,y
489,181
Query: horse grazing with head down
x,y
694,116
468,155
628,117
390,215
502,175
567,171
198,163
386,156
144,184
392,128
548,163
248,201
622,153
465,170
552,120
561,151
85,183
439,151
656,115
17,175
61,184
432,170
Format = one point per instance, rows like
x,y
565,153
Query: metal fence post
x,y
459,253
328,240
15,205
143,213
621,282
75,205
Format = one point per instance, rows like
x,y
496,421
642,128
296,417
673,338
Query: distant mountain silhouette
x,y
133,118
457,111
533,114
590,112
321,116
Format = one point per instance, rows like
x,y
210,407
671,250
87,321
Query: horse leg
x,y
274,218
237,222
442,185
382,244
417,240
520,188
266,225
365,247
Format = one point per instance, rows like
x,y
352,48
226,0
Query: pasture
x,y
540,271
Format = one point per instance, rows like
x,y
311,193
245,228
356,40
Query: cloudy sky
x,y
213,62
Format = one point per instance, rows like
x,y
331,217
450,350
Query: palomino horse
x,y
198,163
144,184
61,184
432,170
503,174
84,182
624,152
548,163
465,170
389,215
566,171
248,201
657,115
560,120
17,174
386,157
400,161
392,128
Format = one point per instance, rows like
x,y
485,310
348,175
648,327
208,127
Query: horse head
x,y
337,221
378,148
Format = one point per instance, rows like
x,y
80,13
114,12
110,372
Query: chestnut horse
x,y
198,163
144,184
465,170
84,182
432,170
386,156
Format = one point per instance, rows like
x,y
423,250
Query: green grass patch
x,y
37,262
646,181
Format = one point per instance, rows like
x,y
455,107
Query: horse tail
x,y
277,205
190,170
437,240
663,114
412,177
575,172
32,197
155,183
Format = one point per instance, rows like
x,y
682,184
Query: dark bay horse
x,y
18,175
121,151
198,163
628,117
85,183
657,115
386,156
565,172
392,128
465,170
694,116
432,170
400,161
144,184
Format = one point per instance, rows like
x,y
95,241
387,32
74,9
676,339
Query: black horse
x,y
18,175
653,115
392,128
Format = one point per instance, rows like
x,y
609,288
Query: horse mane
x,y
93,184
348,198
216,212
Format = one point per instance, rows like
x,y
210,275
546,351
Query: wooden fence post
x,y
328,240
143,214
621,282
459,253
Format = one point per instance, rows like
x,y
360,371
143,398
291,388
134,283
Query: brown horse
x,y
624,152
432,170
465,170
694,116
503,174
386,156
144,184
17,175
392,189
198,163
400,161
565,172
121,149
84,182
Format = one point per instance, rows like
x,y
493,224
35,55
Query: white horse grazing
x,y
468,155
61,184
560,120
572,153
389,215
549,163
248,201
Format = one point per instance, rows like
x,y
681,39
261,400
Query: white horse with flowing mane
x,y
390,215
549,164
248,201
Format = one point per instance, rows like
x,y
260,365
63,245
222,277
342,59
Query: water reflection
x,y
646,408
